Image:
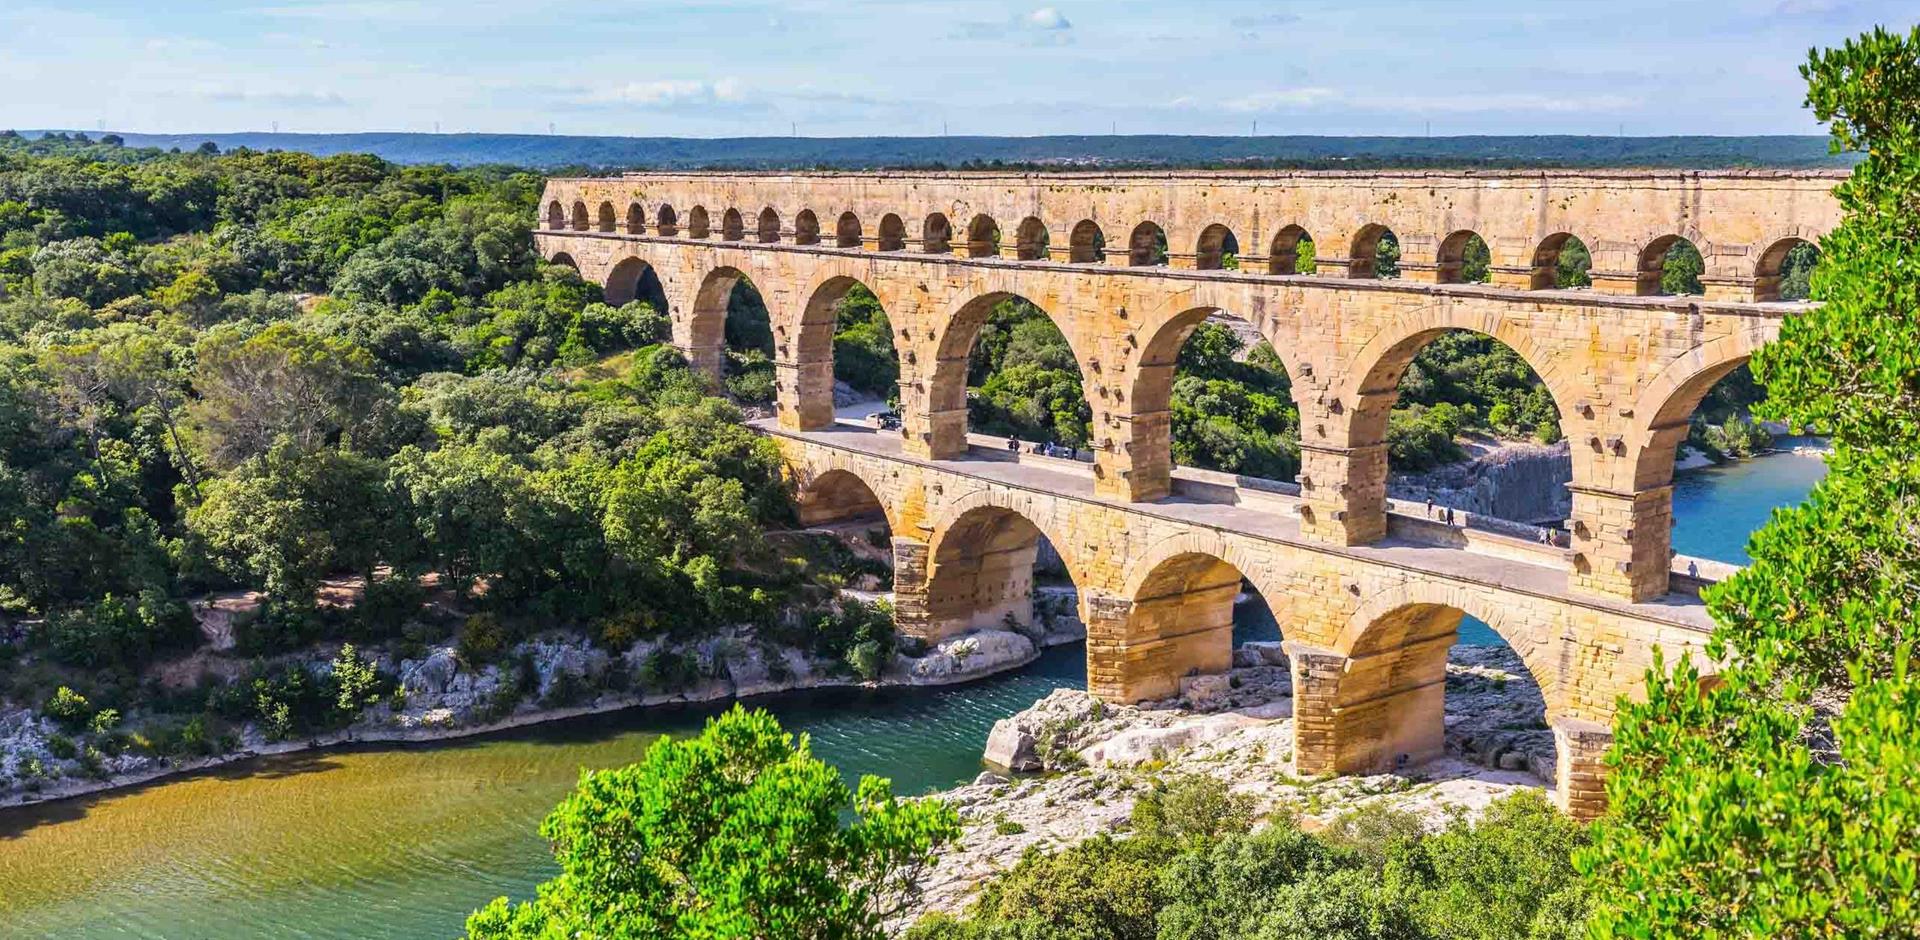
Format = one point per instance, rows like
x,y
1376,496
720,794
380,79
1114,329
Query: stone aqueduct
x,y
1369,600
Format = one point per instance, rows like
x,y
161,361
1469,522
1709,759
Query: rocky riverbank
x,y
441,697
1076,765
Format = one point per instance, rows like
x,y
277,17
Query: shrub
x,y
68,707
1192,806
482,639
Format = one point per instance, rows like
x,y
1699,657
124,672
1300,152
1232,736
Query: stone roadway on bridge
x,y
1063,478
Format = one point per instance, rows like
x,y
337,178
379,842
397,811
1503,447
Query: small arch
x,y
846,232
1375,253
1785,270
556,215
580,219
1670,265
893,233
636,219
608,220
1292,252
936,234
1217,249
1088,245
1561,262
1031,239
666,221
768,229
839,496
634,279
698,224
983,237
732,228
1147,246
1464,259
806,228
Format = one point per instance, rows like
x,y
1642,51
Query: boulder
x,y
1275,654
1009,747
967,656
1206,693
1244,658
432,675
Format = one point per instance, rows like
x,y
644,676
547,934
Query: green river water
x,y
403,841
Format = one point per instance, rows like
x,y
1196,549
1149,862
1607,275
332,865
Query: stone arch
x,y
1216,245
698,223
1150,394
666,222
1196,541
1666,405
980,562
1087,244
1373,385
705,340
1284,255
1651,267
810,400
893,233
840,494
1363,258
580,220
846,231
946,388
556,215
732,228
1363,634
1031,239
983,237
1546,260
1452,260
936,234
1767,270
607,219
1147,246
561,257
636,219
634,279
767,231
806,228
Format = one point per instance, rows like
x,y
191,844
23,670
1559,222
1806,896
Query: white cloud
x,y
1047,18
286,98
669,93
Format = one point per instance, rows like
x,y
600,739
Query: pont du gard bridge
x,y
1368,594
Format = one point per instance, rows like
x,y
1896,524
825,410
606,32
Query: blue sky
x,y
854,67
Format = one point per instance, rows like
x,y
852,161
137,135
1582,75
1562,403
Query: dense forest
x,y
306,376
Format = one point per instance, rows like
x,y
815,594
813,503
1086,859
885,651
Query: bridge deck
x,y
1547,578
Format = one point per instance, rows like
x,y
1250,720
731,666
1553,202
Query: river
x,y
404,841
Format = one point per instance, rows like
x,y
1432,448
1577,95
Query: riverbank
x,y
1075,767
441,699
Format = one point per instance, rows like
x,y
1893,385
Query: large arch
x,y
1150,395
1216,245
634,279
837,495
808,403
561,257
1374,380
1666,404
946,388
980,564
705,340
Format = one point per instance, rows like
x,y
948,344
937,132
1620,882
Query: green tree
x,y
740,832
282,382
1782,800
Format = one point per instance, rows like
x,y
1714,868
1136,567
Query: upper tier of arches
x,y
1633,262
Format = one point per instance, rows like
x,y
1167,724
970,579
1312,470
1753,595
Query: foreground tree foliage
x,y
1784,799
739,833
1194,869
